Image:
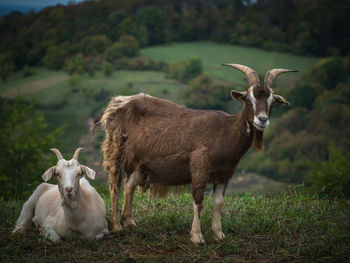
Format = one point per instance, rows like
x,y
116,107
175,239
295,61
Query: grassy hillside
x,y
213,55
286,227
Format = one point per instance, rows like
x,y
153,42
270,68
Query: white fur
x,y
58,214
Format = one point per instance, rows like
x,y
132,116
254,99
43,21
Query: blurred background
x,y
62,61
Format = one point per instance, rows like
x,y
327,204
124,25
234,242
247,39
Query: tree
x,y
127,46
203,93
24,144
7,65
76,64
54,57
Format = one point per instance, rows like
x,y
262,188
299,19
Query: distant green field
x,y
213,55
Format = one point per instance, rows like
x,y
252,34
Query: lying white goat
x,y
71,205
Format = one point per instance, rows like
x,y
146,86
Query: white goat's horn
x,y
57,152
273,73
252,76
76,153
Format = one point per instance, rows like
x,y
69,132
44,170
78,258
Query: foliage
x,y
203,93
6,65
108,69
289,226
54,57
94,45
317,27
141,63
127,46
332,176
24,144
76,64
186,70
75,83
28,71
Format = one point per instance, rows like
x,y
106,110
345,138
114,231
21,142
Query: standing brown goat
x,y
154,141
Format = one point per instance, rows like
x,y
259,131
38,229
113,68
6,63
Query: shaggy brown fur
x,y
157,142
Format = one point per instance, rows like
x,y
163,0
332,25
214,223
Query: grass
x,y
292,226
213,55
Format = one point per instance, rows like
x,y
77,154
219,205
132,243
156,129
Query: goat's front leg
x,y
50,234
196,233
114,188
130,184
218,198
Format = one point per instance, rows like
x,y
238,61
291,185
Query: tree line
x,y
101,28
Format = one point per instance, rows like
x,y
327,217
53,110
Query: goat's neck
x,y
247,133
73,208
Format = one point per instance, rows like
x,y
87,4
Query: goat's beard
x,y
258,140
69,202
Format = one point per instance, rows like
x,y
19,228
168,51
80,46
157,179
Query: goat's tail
x,y
97,123
28,209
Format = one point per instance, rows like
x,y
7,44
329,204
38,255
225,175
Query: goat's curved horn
x,y
76,153
273,73
251,75
57,152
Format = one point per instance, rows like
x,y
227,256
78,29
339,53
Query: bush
x,y
54,57
108,69
186,70
127,46
7,65
333,175
76,64
28,71
75,83
203,93
24,144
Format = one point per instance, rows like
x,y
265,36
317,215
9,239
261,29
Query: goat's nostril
x,y
263,119
68,189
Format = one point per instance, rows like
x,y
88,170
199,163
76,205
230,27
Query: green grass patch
x,y
289,226
213,55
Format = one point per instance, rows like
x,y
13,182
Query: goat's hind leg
x,y
130,184
218,198
115,188
27,212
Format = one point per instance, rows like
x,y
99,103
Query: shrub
x,y
203,93
28,71
76,64
127,46
333,175
75,83
24,144
54,57
7,65
108,69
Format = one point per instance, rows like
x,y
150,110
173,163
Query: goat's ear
x,y
88,172
49,173
280,99
238,95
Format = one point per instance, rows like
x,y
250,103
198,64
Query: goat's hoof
x,y
130,222
18,230
218,235
197,239
117,228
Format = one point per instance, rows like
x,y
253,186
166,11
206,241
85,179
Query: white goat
x,y
71,205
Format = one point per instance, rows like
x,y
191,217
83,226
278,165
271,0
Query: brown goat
x,y
154,141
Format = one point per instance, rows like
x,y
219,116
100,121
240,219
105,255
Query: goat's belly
x,y
167,170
